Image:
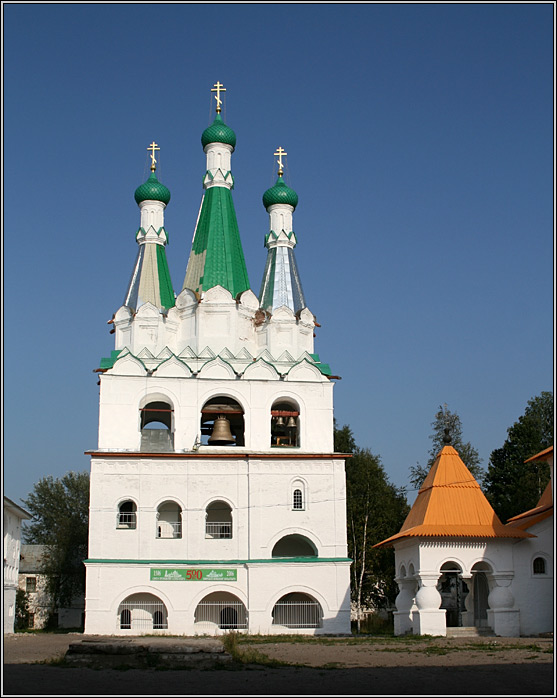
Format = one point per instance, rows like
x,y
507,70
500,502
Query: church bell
x,y
221,432
291,423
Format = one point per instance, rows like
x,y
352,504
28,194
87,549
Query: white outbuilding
x,y
13,516
217,500
458,566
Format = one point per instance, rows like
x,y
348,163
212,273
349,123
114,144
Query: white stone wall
x,y
259,586
258,491
534,593
122,396
12,518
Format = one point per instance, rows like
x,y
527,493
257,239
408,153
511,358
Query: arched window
x,y
222,423
169,520
294,545
222,609
297,610
218,520
538,566
285,424
143,611
297,499
156,427
127,515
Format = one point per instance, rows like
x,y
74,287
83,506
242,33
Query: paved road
x,y
492,680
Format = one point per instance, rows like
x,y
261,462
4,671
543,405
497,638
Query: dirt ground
x,y
433,667
27,648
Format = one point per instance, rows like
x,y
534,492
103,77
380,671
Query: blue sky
x,y
420,143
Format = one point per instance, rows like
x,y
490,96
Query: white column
x,y
404,604
429,619
503,617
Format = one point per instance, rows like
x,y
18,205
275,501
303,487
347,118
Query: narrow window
x,y
31,585
218,520
297,500
539,566
127,515
31,621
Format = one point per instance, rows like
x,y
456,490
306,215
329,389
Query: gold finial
x,y
218,88
152,148
280,152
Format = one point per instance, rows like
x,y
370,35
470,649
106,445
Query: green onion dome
x,y
152,190
280,194
218,132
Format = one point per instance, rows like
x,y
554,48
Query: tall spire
x,y
150,280
216,257
281,285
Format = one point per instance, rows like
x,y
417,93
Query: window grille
x,y
31,620
297,500
297,614
228,615
126,519
31,585
142,615
539,566
218,529
169,529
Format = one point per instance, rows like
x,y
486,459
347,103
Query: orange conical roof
x,y
451,504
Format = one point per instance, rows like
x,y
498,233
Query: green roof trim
x,y
162,229
109,362
217,258
274,560
165,284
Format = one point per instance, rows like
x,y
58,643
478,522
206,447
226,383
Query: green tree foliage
x,y
511,485
375,510
445,419
21,610
60,509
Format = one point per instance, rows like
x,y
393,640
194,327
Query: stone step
x,y
148,653
469,631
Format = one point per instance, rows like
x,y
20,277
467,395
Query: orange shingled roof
x,y
542,455
541,511
451,504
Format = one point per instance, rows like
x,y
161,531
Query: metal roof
x,y
216,257
451,504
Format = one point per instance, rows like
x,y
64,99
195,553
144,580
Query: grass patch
x,y
231,642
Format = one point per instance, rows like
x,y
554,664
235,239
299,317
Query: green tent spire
x,y
216,257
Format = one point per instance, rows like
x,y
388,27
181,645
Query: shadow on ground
x,y
506,680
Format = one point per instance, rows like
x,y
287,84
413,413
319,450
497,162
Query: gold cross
x,y
152,148
280,152
218,88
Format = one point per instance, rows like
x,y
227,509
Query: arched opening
x,y
218,520
156,427
223,610
285,424
294,545
453,592
127,515
480,593
141,612
169,520
538,566
297,610
222,422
